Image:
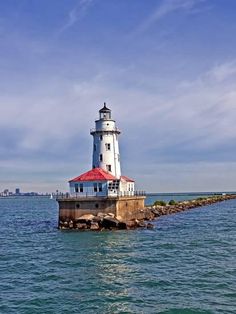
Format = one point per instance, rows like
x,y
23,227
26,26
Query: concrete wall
x,y
128,208
125,208
70,209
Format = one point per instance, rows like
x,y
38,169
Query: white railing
x,y
93,130
95,195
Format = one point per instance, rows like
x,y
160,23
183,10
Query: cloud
x,y
47,126
223,71
167,7
76,13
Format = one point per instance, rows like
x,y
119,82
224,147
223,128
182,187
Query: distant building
x,y
6,192
17,192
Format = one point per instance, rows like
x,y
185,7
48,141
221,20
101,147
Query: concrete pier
x,y
121,212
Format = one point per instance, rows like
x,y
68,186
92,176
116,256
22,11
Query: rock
x,y
97,219
131,224
101,215
148,214
109,222
122,225
81,226
141,224
94,226
155,212
111,215
85,218
63,227
150,226
71,224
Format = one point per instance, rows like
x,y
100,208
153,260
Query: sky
x,y
166,69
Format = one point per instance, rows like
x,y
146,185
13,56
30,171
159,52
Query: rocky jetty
x,y
108,221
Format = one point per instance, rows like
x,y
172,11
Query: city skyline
x,y
166,69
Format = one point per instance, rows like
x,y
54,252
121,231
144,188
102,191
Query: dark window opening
x,y
77,205
95,147
108,146
100,187
95,187
100,157
81,188
96,205
101,137
108,167
76,188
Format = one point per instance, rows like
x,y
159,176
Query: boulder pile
x,y
108,221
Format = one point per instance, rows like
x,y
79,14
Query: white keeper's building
x,y
104,179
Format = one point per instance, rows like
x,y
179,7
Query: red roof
x,y
96,174
126,179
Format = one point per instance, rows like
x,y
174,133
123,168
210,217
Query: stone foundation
x,y
124,208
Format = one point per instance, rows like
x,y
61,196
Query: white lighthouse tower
x,y
104,179
105,143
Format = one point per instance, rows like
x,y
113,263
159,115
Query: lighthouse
x,y
104,179
105,143
102,190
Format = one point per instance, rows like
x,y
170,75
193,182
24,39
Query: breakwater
x,y
144,216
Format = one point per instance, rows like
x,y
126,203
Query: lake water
x,y
187,264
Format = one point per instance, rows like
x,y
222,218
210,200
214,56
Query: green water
x,y
187,264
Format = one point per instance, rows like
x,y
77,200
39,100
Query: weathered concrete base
x,y
125,214
123,208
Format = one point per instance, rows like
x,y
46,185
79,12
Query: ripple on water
x,y
185,265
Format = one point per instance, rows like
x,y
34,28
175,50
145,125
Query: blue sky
x,y
166,68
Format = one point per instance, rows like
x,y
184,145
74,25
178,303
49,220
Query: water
x,y
186,265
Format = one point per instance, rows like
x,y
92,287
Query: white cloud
x,y
194,116
167,7
76,13
223,71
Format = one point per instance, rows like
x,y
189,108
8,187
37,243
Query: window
x,y
108,167
101,137
108,146
78,205
100,157
76,188
95,187
100,187
96,205
81,188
